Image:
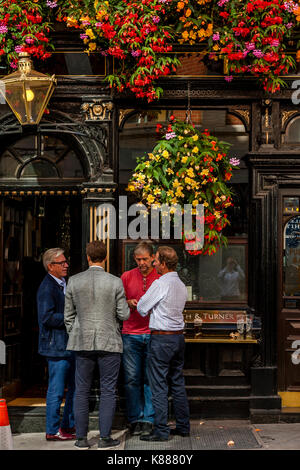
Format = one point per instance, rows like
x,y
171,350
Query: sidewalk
x,y
205,435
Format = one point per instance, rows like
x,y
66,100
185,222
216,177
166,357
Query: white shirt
x,y
166,297
61,282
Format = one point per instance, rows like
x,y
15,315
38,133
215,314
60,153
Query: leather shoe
x,y
153,438
136,428
176,432
106,442
147,428
60,437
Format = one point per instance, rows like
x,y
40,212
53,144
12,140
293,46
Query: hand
x,y
132,303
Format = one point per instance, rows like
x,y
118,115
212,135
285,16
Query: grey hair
x,y
50,255
144,246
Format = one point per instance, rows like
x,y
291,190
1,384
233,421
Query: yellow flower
x,y
150,199
180,6
205,204
176,183
151,156
165,154
185,35
180,137
216,47
201,33
90,33
170,192
296,12
204,173
92,46
190,172
170,171
195,202
195,150
184,159
130,187
157,191
195,137
71,22
147,163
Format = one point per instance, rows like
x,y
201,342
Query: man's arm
x,y
70,309
122,308
149,299
48,316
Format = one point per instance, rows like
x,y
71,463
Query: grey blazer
x,y
94,303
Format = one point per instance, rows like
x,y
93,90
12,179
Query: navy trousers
x,y
109,365
166,360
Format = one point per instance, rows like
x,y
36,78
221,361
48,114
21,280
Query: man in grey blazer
x,y
95,302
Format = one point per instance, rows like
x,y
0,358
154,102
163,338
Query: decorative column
x,y
99,192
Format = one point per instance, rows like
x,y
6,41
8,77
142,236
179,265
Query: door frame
x,y
282,313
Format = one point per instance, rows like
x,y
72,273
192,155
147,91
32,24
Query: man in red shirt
x,y
136,336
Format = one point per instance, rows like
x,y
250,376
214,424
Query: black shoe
x,y
136,428
82,444
153,438
147,429
176,432
106,442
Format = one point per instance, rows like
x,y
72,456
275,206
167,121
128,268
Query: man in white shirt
x,y
165,301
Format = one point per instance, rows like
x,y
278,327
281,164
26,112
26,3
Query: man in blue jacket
x,y
53,340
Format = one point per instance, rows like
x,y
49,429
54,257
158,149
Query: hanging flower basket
x,y
188,167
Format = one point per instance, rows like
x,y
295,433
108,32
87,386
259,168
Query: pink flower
x,y
3,29
216,37
258,53
234,161
29,40
228,78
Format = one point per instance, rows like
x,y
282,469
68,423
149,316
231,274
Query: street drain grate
x,y
202,438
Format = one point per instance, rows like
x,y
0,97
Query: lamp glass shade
x,y
27,92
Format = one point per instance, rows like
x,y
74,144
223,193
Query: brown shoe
x,y
60,437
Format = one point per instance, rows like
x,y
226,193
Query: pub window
x,y
40,156
291,259
209,279
292,134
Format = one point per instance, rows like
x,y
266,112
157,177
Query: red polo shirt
x,y
135,287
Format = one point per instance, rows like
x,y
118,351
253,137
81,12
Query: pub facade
x,y
55,178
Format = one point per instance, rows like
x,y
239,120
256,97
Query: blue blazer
x,y
53,336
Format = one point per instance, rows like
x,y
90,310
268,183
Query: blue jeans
x,y
166,360
61,375
109,366
137,390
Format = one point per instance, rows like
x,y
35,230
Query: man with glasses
x,y
53,340
136,335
